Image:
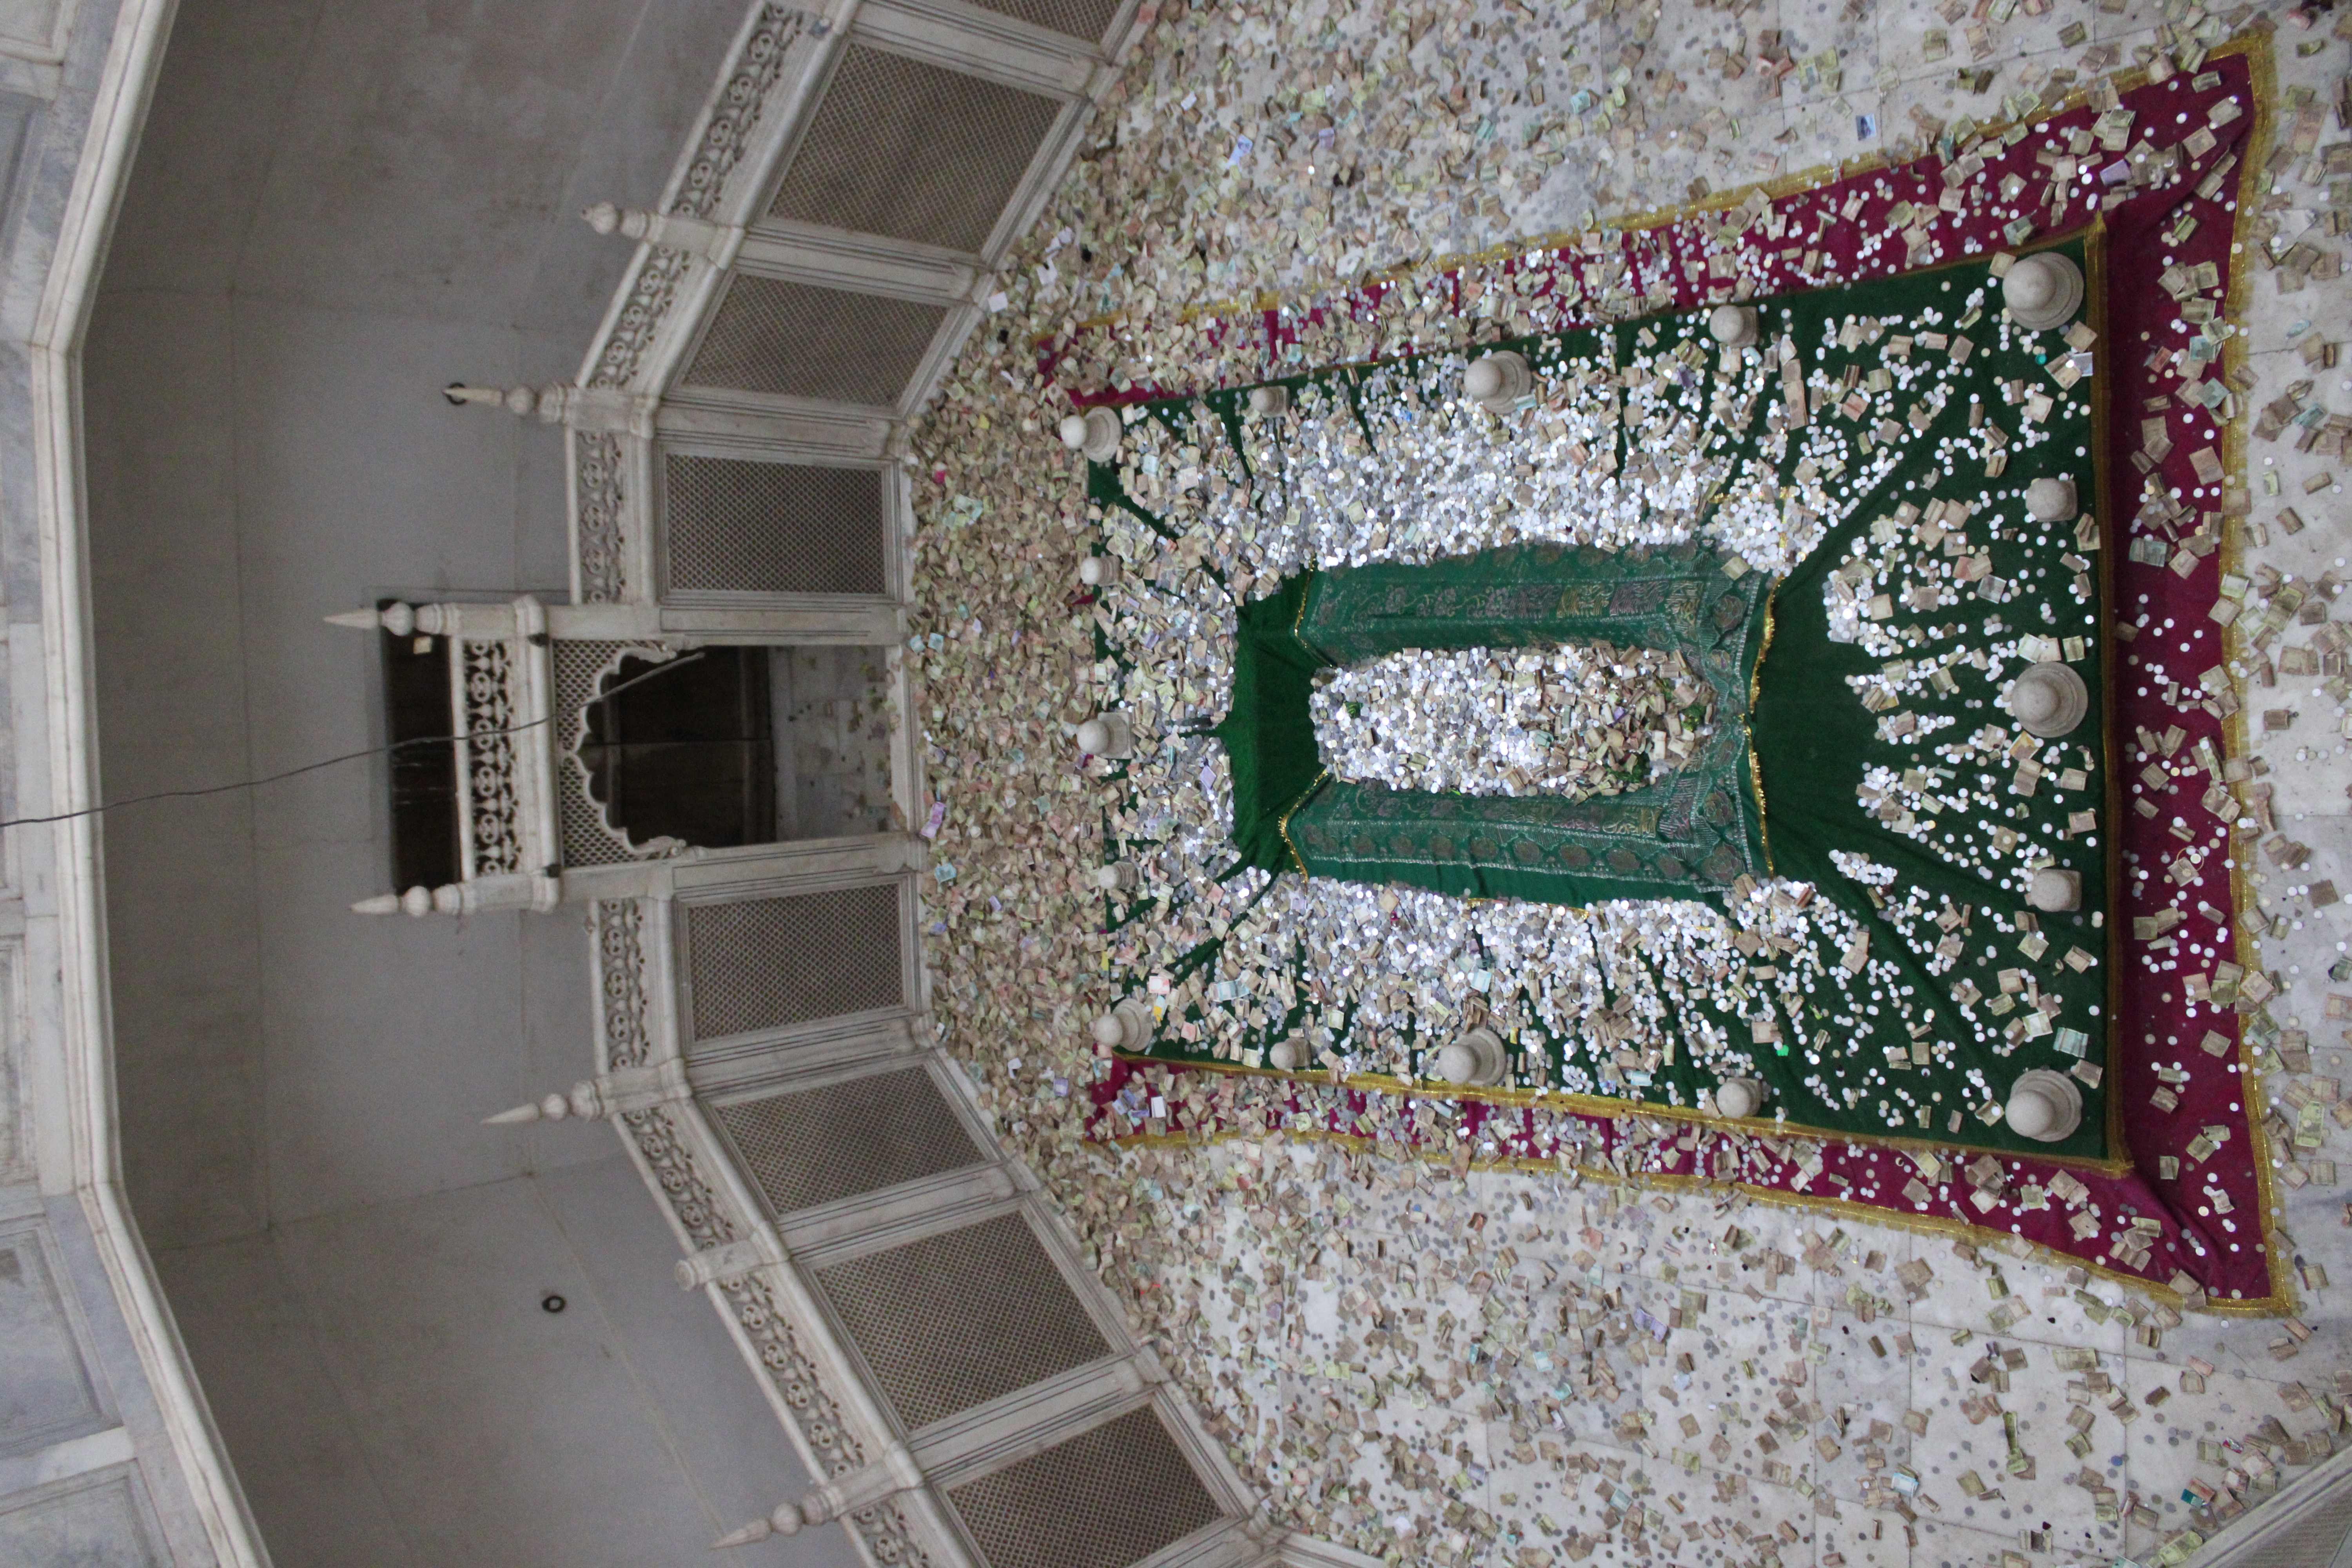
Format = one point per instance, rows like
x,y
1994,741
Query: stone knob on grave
x,y
2042,291
1098,571
1269,400
2045,1106
1095,432
1126,1027
1738,1097
2055,890
1116,878
1498,380
2050,499
1287,1055
1477,1057
1107,735
1733,326
2048,700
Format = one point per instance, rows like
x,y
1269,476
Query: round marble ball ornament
x,y
2045,1106
2042,291
1107,735
1738,1097
1733,326
2050,499
1096,432
2055,890
1476,1058
1498,380
1126,1027
2048,700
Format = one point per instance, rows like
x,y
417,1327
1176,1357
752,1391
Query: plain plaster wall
x,y
394,1393
337,209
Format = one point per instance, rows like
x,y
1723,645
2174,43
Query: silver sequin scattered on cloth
x,y
1572,721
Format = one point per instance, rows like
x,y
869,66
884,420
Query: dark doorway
x,y
687,751
417,721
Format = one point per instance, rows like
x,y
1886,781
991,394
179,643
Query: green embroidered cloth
x,y
1692,833
1830,752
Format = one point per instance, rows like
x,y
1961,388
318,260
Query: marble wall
x,y
337,208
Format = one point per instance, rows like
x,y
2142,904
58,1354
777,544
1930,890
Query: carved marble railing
x,y
501,704
533,833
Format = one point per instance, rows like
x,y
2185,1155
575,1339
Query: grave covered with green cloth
x,y
1687,834
1824,888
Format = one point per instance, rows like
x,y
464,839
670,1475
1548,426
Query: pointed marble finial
x,y
785,1520
607,1094
757,1531
398,618
415,903
674,231
611,218
553,1108
519,401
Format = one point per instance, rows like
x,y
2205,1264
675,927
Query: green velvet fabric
x,y
1691,834
1947,1003
1269,732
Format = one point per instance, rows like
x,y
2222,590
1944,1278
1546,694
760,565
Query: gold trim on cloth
x,y
2256,47
2261,86
1282,825
1610,1106
1748,723
1919,1224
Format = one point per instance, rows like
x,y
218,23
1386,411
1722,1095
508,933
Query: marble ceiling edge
x,y
152,1483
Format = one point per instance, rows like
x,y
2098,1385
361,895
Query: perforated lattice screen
x,y
586,843
799,340
762,964
772,528
908,149
1079,18
955,1320
2315,1541
1107,1498
814,1146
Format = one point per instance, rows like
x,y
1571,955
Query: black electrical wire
x,y
334,762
